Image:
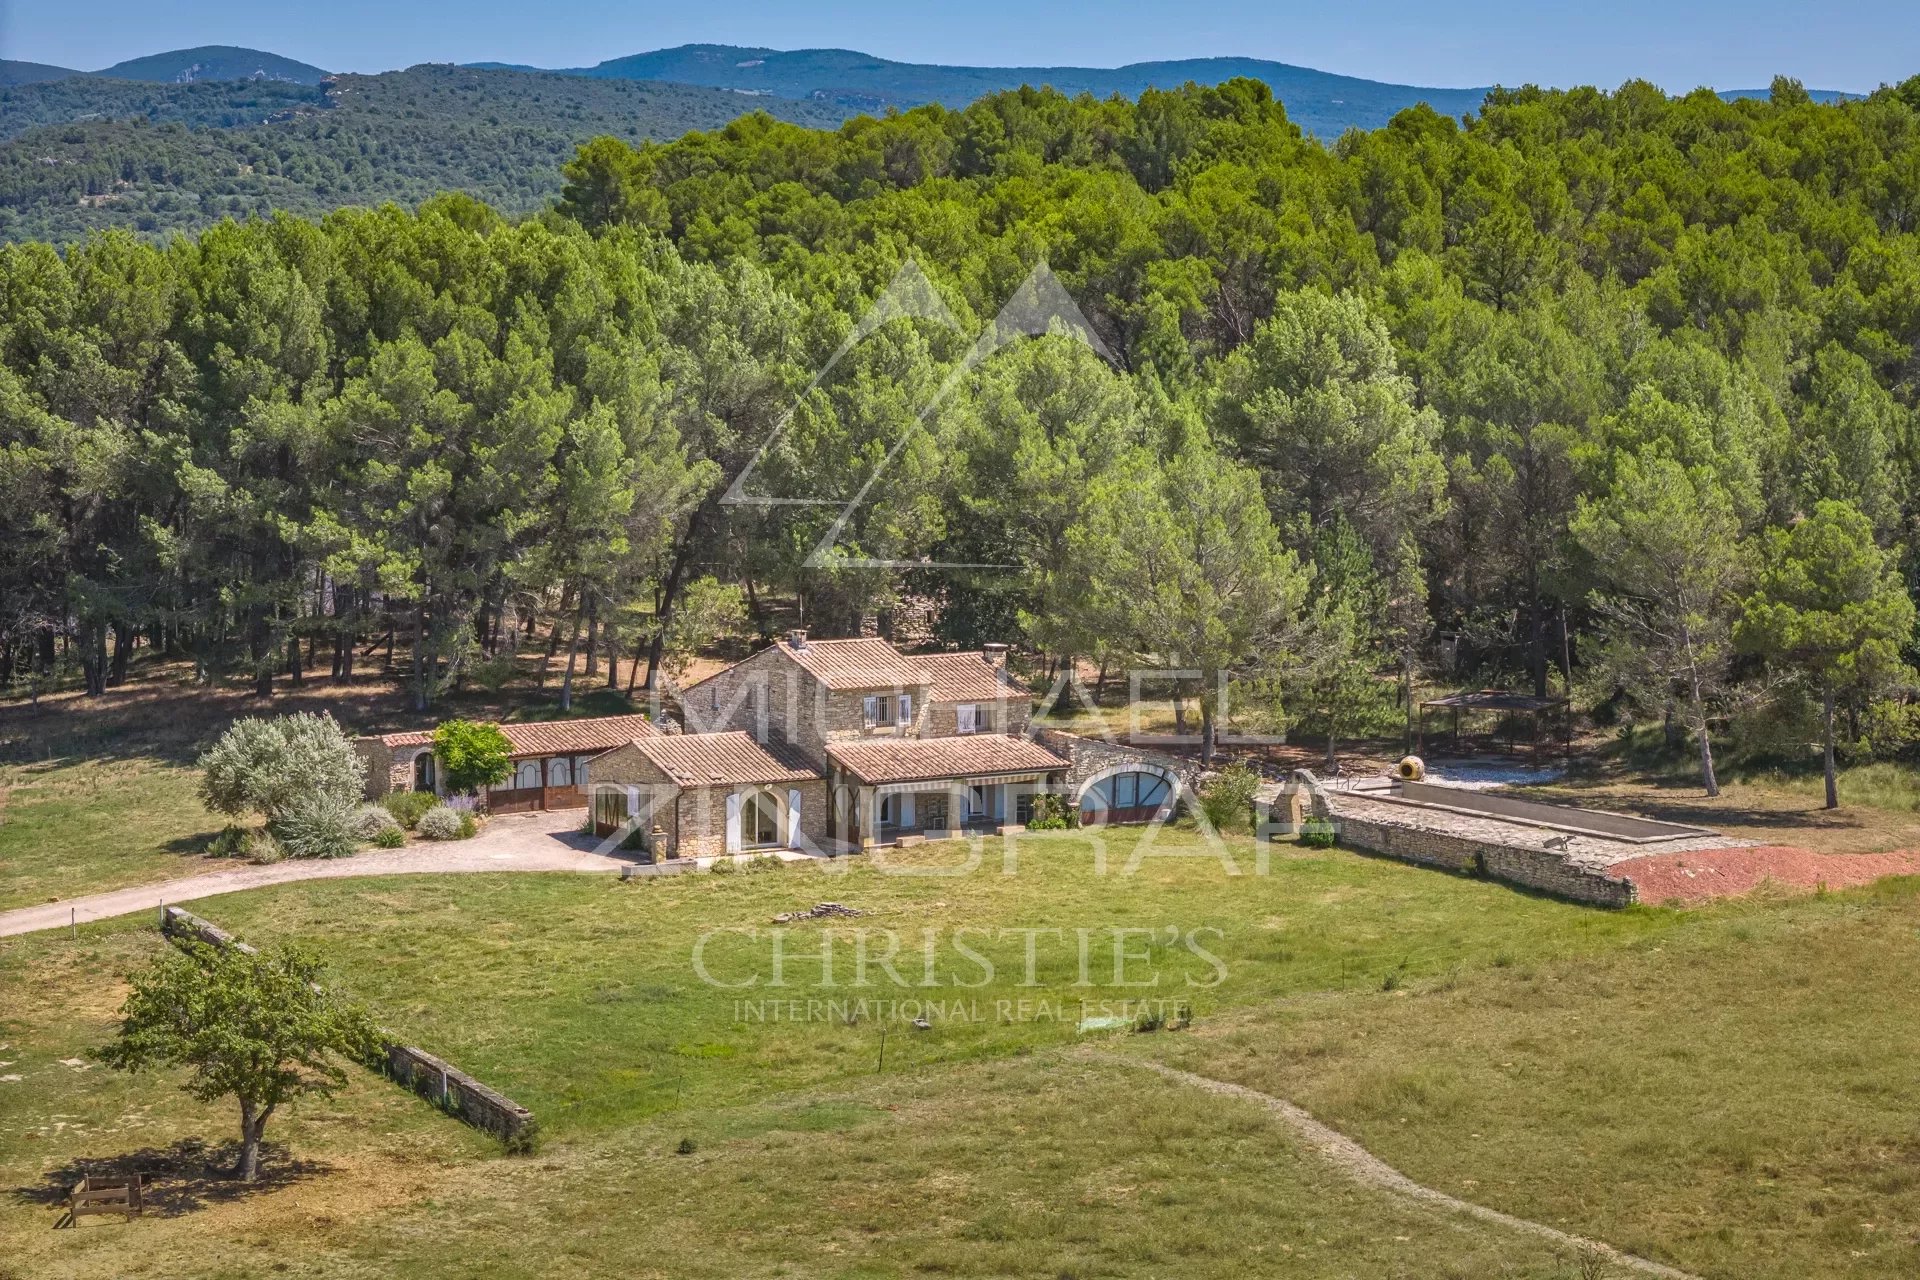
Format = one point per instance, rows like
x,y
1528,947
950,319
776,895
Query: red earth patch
x,y
1704,874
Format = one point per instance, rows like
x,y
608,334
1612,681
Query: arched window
x,y
526,775
423,771
1126,797
560,772
760,820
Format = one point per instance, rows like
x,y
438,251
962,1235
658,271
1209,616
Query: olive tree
x,y
255,1027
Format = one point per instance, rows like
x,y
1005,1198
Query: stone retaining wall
x,y
460,1094
1395,833
178,922
1539,869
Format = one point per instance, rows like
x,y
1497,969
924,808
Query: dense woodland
x,y
87,154
1608,392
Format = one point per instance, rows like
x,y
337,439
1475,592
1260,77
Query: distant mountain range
x,y
181,66
1322,103
1318,101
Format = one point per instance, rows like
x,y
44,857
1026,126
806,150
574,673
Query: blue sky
x,y
1724,43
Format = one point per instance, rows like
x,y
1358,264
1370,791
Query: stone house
x,y
820,745
701,794
551,761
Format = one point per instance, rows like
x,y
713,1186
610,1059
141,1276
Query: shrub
x,y
390,838
267,766
407,806
231,842
442,823
319,827
261,847
1052,813
1227,798
371,820
1317,833
472,755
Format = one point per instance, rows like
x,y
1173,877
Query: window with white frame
x,y
966,718
903,709
871,709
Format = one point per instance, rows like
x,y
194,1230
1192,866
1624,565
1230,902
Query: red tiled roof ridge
x,y
878,760
708,759
534,737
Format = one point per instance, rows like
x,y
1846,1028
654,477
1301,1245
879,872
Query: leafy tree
x,y
1666,546
270,766
1316,400
1182,565
710,611
609,185
257,1028
1830,605
472,755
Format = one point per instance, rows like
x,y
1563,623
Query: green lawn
x,y
580,997
1732,1090
76,826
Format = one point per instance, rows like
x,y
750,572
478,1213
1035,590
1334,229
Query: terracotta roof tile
x,y
968,677
857,664
721,759
553,737
880,760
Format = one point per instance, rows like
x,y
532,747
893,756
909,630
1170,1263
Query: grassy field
x,y
1732,1090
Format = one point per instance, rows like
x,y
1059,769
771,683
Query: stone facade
x,y
1093,759
388,769
692,820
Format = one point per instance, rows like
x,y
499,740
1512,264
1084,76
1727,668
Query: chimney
x,y
797,639
995,655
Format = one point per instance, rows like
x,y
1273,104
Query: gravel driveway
x,y
515,842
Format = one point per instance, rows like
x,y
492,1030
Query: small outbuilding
x,y
551,761
697,795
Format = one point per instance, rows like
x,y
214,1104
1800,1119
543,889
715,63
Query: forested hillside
x,y
1613,391
88,154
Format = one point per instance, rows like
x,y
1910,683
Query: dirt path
x,y
1357,1163
1725,873
520,842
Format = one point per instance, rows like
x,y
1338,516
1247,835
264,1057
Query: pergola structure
x,y
1502,703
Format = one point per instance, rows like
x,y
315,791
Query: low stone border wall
x,y
178,922
458,1093
1538,869
1546,871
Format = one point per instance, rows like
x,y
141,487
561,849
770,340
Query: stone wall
x,y
1009,715
178,922
698,827
460,1094
1092,757
1542,870
1359,824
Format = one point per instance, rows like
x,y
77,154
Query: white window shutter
x,y
904,711
964,717
733,823
793,818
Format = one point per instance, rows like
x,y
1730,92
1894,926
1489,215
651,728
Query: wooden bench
x,y
121,1195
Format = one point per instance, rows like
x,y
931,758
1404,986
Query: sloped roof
x,y
881,760
553,737
856,664
721,759
968,677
